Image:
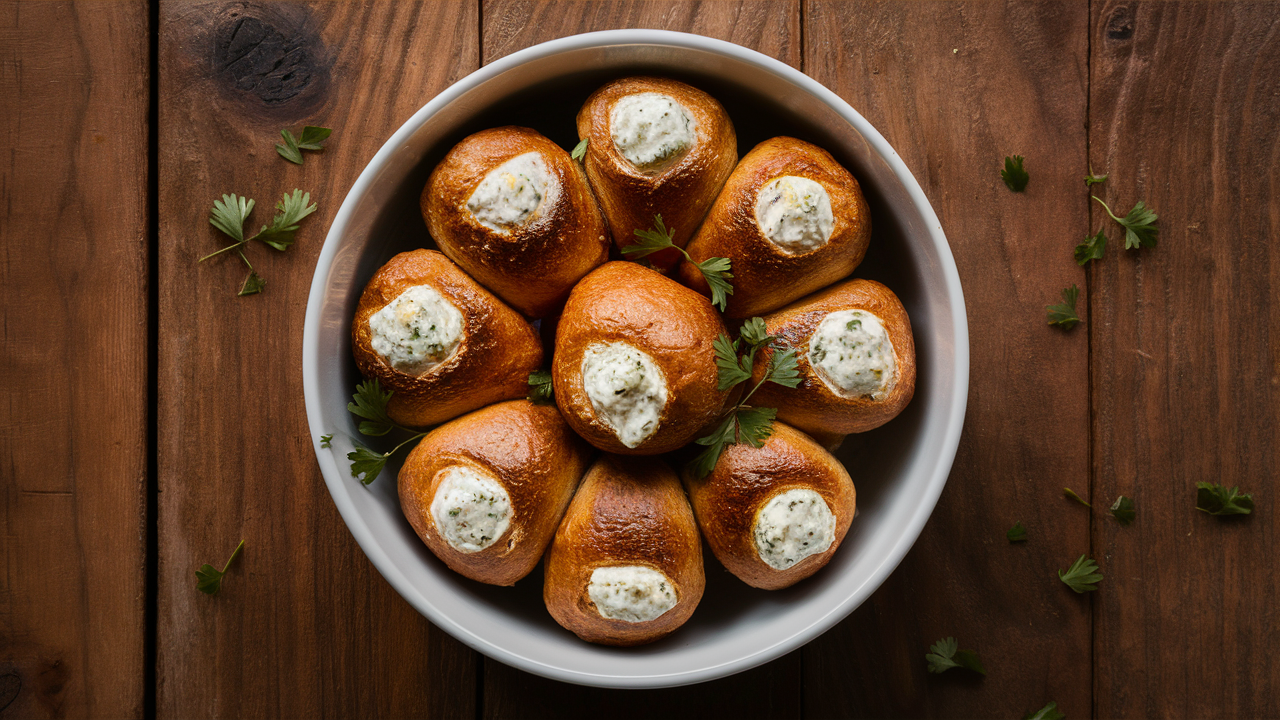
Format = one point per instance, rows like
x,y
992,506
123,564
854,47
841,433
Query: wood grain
x,y
955,87
772,28
73,358
304,626
1186,368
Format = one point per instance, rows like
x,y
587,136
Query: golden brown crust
x,y
727,501
533,266
628,511
498,350
680,192
812,405
534,455
625,302
764,276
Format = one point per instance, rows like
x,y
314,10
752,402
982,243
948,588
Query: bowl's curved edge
x,y
334,477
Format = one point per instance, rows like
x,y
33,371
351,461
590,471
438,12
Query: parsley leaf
x,y
1123,510
755,332
945,654
1092,179
1082,576
783,369
755,425
541,390
714,270
1092,248
580,150
1139,225
370,402
1017,533
253,284
209,578
325,441
1064,314
367,463
293,208
1048,712
1216,499
292,149
1068,492
731,370
229,214
1013,174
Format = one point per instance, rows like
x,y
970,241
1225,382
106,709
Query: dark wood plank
x,y
955,87
305,626
772,28
1186,364
73,358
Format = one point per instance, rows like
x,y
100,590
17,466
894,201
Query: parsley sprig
x,y
370,403
1216,499
1069,493
945,654
1139,225
1123,510
715,270
1092,179
1082,576
1017,533
311,139
1064,313
230,214
541,390
580,150
1013,174
209,578
744,423
1093,248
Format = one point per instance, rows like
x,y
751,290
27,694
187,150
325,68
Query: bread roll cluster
x,y
596,484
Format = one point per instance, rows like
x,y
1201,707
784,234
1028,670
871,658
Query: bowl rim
x,y
946,264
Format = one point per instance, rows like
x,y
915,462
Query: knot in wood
x,y
1120,24
275,59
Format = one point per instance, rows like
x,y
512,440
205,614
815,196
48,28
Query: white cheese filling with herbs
x,y
512,192
651,129
792,526
794,213
627,390
853,355
417,331
631,592
471,509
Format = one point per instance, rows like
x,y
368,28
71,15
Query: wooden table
x,y
152,419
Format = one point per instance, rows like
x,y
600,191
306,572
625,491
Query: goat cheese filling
x,y
471,509
853,355
626,388
512,192
630,592
794,213
651,129
417,331
792,526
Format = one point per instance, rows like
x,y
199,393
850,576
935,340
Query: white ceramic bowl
x,y
899,469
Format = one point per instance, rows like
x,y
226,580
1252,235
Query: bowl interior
x,y
898,469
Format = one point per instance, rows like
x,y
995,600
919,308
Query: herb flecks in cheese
x,y
853,355
471,509
794,213
511,193
792,526
626,388
417,331
651,130
631,592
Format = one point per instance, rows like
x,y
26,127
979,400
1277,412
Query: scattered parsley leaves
x,y
1093,248
580,150
1048,712
1082,576
1139,225
541,391
325,441
1017,533
229,215
1092,179
1123,510
1013,174
1068,492
714,270
945,654
370,402
1064,314
311,139
1216,499
209,578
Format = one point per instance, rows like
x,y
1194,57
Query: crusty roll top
x,y
492,362
813,405
533,263
767,274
